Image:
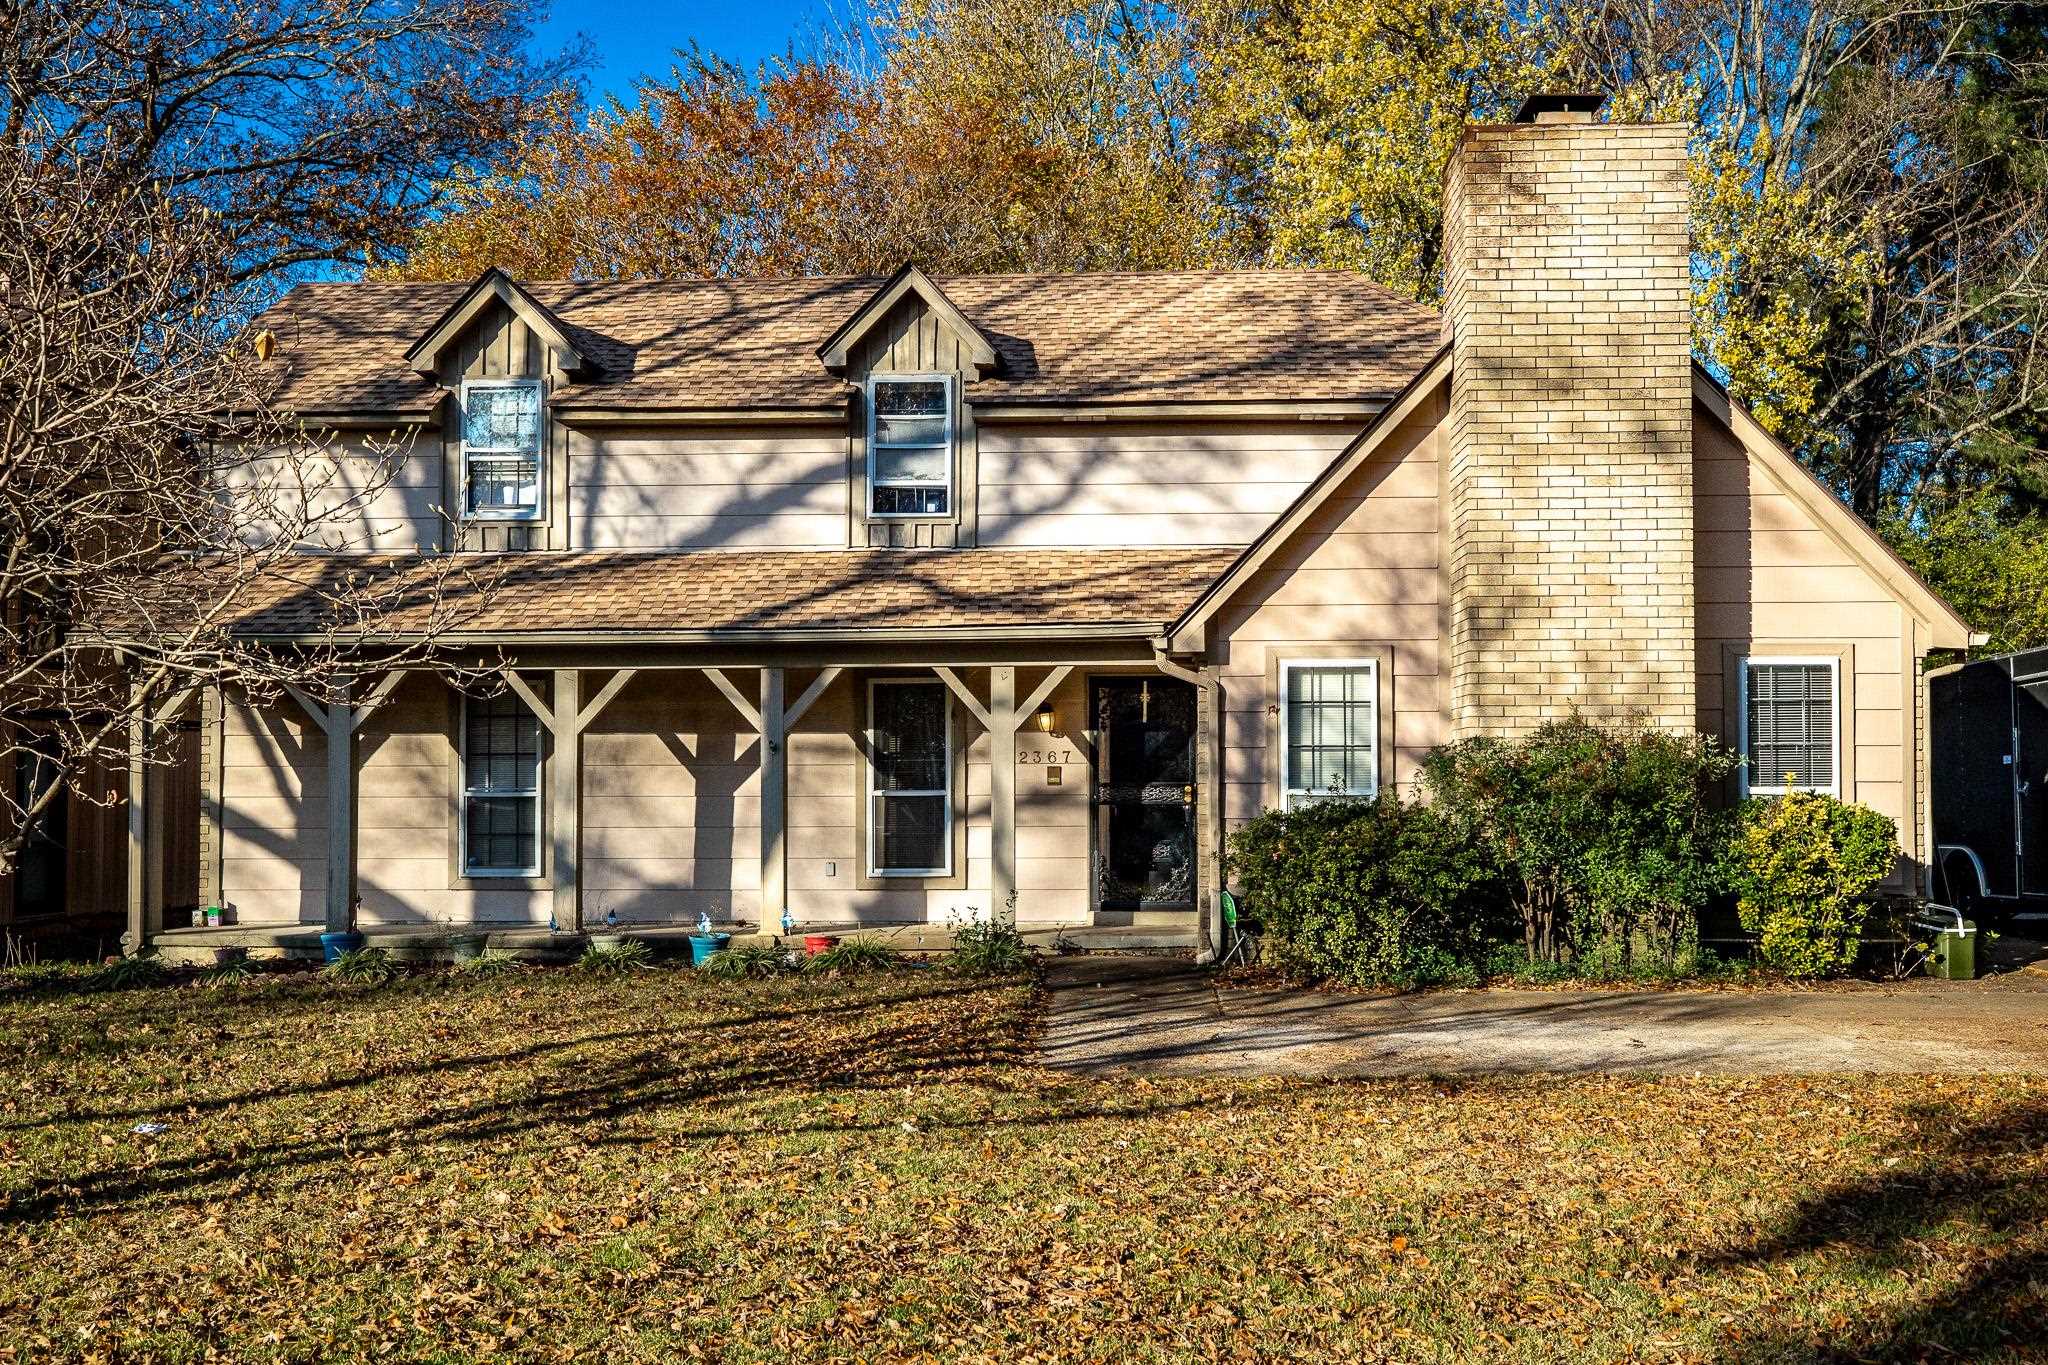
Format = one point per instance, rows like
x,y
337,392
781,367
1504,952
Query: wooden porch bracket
x,y
339,720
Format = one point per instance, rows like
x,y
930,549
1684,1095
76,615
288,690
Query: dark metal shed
x,y
1989,785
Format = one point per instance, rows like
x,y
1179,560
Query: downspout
x,y
1209,922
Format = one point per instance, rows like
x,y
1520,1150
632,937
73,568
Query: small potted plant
x,y
340,943
610,940
704,943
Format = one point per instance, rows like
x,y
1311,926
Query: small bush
x,y
854,955
986,947
363,966
131,973
752,962
1381,892
616,959
1804,865
489,962
233,972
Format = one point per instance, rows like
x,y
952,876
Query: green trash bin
x,y
1951,944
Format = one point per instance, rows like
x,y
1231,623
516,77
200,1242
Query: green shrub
x,y
1804,864
235,971
986,947
1381,892
366,966
616,959
131,973
752,962
854,955
489,962
1604,835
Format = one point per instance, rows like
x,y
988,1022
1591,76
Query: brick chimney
x,y
1567,298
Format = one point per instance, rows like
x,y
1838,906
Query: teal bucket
x,y
332,946
702,946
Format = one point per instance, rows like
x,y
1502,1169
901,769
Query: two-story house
x,y
874,601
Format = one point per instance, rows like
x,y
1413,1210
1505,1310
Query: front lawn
x,y
548,1165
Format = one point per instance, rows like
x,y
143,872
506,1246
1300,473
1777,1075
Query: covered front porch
x,y
539,792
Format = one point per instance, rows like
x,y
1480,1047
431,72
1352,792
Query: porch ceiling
x,y
735,593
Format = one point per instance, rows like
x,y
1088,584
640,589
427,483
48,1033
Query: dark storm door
x,y
1144,798
2030,784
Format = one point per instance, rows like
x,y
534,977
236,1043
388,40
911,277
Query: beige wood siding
x,y
1773,580
1145,483
370,493
696,489
273,814
1363,579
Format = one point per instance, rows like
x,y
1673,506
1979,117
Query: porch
x,y
668,784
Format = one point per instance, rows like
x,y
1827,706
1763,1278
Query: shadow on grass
x,y
1984,1183
704,1077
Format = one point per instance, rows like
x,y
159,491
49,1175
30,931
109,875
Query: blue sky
x,y
633,37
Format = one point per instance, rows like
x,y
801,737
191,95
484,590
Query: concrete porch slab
x,y
428,943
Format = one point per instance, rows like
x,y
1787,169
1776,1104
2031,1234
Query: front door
x,y
1144,798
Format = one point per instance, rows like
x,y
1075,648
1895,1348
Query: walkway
x,y
1162,1015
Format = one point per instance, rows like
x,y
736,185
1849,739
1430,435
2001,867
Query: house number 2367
x,y
1045,756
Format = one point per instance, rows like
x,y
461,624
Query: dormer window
x,y
501,438
910,445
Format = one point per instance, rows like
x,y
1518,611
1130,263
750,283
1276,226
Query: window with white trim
x,y
910,765
1791,726
1330,730
501,757
501,440
910,445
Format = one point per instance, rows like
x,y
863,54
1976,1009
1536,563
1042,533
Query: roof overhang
x,y
494,286
1796,481
907,280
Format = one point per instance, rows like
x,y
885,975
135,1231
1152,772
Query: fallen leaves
x,y
661,1168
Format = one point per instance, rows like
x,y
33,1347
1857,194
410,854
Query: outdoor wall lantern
x,y
1046,720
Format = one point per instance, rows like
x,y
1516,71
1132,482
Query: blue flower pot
x,y
702,946
332,946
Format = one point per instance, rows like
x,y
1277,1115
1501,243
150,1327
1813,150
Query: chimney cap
x,y
1561,106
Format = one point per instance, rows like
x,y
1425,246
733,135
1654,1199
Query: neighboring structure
x,y
885,600
1989,741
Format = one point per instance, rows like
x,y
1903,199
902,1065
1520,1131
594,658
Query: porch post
x,y
1002,790
565,799
136,938
340,726
774,802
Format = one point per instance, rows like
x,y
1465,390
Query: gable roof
x,y
494,285
1848,530
1186,633
699,594
907,280
1133,337
1868,548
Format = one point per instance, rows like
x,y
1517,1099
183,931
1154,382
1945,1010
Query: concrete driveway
x,y
1162,1015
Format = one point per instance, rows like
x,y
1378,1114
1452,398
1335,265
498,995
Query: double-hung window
x,y
501,753
910,801
1330,730
1791,730
910,445
501,464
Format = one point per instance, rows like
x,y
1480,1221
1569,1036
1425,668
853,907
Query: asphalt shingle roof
x,y
730,591
1249,335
